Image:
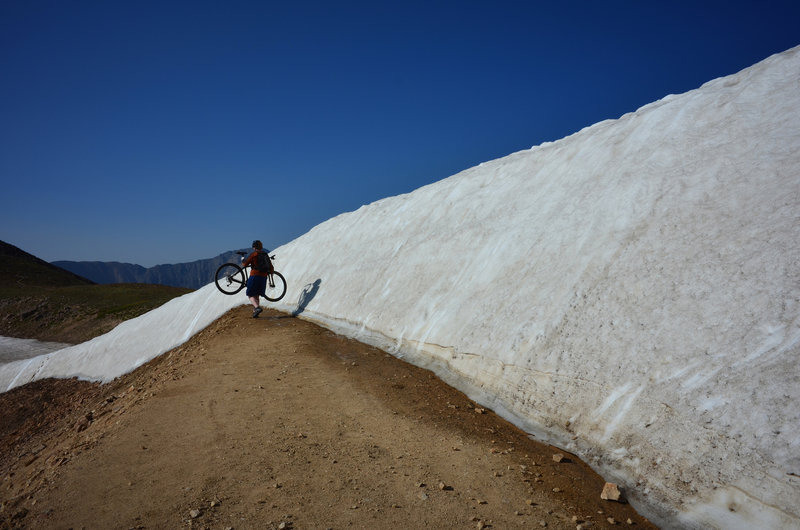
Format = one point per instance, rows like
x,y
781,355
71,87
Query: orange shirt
x,y
250,262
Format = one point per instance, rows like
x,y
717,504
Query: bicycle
x,y
232,278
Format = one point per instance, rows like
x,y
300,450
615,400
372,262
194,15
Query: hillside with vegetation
x,y
41,301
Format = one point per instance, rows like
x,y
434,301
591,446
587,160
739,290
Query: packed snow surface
x,y
630,293
12,349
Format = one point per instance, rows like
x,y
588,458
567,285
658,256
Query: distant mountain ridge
x,y
192,275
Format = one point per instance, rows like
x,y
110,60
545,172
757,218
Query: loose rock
x,y
611,492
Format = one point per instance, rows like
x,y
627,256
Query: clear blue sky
x,y
162,132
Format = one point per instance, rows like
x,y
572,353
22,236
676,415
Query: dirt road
x,y
277,423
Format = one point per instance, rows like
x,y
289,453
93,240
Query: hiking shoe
x,y
257,311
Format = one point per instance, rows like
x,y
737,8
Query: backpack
x,y
263,263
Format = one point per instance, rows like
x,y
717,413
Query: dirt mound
x,y
277,423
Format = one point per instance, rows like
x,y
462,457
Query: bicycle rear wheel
x,y
276,287
230,278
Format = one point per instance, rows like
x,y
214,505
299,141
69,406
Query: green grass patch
x,y
77,312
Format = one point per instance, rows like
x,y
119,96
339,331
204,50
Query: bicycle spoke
x,y
230,279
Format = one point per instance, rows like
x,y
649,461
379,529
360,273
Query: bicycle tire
x,y
276,287
230,278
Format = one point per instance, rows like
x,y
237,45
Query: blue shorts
x,y
256,286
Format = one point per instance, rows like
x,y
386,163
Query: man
x,y
257,282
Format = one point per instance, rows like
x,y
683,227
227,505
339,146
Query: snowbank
x,y
13,349
630,293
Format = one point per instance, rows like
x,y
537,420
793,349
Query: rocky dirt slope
x,y
277,423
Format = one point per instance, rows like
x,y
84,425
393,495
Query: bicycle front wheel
x,y
276,287
230,278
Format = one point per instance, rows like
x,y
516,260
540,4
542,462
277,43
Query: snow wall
x,y
630,293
